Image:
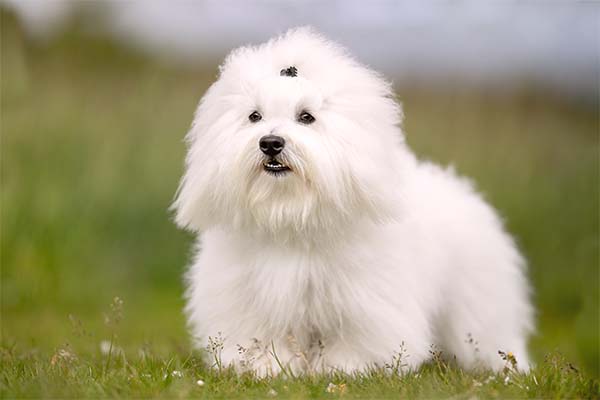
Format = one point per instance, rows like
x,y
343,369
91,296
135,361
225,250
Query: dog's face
x,y
294,137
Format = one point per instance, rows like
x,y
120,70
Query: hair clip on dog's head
x,y
291,72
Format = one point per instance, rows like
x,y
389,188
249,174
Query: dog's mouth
x,y
275,167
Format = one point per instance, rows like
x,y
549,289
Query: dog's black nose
x,y
271,145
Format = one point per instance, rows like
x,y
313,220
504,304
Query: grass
x,y
105,369
91,152
67,374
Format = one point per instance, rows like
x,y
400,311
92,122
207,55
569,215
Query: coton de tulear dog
x,y
323,242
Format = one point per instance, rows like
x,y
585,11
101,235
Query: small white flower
x,y
271,393
200,382
177,374
105,347
331,388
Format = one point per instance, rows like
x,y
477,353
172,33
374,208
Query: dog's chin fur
x,y
355,252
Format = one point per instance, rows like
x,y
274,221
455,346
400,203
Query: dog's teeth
x,y
275,166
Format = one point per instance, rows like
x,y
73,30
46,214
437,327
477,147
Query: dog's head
x,y
294,136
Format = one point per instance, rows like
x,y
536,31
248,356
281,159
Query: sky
x,y
554,43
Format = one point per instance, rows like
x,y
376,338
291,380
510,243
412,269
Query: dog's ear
x,y
196,201
290,71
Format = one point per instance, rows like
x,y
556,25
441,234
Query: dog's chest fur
x,y
312,294
300,291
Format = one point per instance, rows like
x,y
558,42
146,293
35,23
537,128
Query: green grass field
x,y
92,151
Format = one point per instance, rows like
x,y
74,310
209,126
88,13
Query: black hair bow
x,y
291,71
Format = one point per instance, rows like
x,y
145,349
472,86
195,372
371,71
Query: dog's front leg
x,y
349,357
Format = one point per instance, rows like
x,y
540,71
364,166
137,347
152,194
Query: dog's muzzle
x,y
272,146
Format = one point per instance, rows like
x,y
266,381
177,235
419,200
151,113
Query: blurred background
x,y
96,98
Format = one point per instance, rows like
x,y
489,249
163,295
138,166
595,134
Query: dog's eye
x,y
255,116
306,118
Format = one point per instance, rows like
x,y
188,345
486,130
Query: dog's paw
x,y
258,359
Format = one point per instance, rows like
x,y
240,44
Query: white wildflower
x,y
331,388
271,393
177,374
105,346
200,382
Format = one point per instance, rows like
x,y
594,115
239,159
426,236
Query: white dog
x,y
323,242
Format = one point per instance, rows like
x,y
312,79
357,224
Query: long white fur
x,y
361,251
